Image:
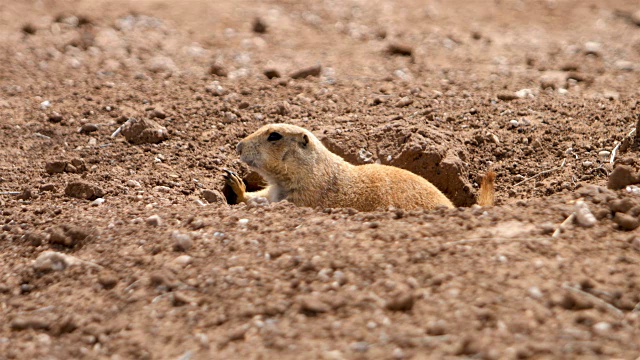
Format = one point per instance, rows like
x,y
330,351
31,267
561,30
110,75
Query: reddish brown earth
x,y
427,86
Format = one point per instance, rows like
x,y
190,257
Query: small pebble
x,y
183,260
311,305
83,190
524,93
535,292
632,189
55,118
401,302
154,220
133,183
584,216
602,328
143,131
360,346
624,65
593,48
215,89
621,176
625,221
635,17
507,96
107,280
55,167
405,101
97,202
243,222
398,353
182,241
230,117
604,155
436,327
88,128
53,261
45,105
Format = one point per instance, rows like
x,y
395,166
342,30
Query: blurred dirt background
x,y
124,247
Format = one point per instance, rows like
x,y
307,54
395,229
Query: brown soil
x,y
139,256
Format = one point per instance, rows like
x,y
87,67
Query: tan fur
x,y
300,169
487,189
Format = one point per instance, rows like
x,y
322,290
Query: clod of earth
x,y
83,190
306,72
144,131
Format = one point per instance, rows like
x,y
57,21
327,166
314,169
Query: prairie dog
x,y
298,168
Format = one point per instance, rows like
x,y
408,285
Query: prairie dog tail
x,y
487,189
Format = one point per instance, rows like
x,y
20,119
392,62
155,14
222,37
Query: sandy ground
x,y
126,247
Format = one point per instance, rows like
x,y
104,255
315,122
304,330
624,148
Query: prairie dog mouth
x,y
250,162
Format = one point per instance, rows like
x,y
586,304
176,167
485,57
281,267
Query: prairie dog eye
x,y
274,136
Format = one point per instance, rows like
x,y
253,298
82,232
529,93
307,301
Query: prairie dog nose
x,y
239,148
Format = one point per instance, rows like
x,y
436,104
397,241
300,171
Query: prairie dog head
x,y
279,152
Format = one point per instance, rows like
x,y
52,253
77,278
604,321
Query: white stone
x,y
602,328
593,47
97,202
604,154
584,217
133,183
524,93
183,260
535,292
54,261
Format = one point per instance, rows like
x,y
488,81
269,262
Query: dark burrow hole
x,y
253,181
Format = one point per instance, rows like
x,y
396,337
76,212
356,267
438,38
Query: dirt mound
x,y
424,150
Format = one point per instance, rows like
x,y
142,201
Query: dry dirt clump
x,y
83,190
117,241
143,131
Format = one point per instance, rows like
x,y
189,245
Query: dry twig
x,y
613,153
542,173
490,239
563,225
614,310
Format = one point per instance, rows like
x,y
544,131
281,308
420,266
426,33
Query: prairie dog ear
x,y
304,140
